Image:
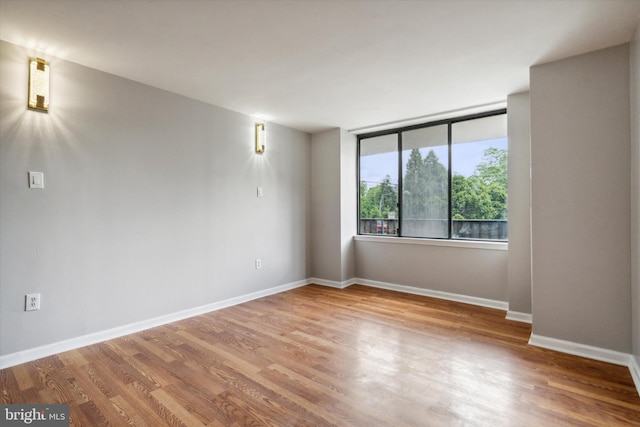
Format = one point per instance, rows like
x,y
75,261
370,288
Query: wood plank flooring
x,y
318,356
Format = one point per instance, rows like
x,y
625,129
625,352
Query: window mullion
x,y
449,182
399,209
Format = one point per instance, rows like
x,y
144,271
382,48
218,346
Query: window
x,y
378,185
443,180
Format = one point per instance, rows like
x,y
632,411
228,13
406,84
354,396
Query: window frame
x,y
398,132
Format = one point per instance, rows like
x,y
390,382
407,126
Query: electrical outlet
x,y
258,264
32,302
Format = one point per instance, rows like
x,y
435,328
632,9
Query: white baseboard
x,y
332,283
634,368
583,350
24,356
483,302
519,317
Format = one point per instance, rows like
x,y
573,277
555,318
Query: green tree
x,y
437,194
367,206
414,193
483,195
493,173
424,186
493,167
388,201
378,201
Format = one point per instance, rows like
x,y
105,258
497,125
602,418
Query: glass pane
x,y
425,186
379,185
479,182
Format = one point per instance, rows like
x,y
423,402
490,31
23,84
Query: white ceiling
x,y
312,64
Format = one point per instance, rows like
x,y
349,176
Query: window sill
x,y
469,244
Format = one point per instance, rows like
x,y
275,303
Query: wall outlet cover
x,y
32,302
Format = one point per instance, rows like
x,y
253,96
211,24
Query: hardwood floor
x,y
318,356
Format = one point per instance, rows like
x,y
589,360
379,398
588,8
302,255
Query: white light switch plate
x,y
36,180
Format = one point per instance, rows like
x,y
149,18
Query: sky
x,y
465,158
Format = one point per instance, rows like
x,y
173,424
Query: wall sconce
x,y
261,138
38,84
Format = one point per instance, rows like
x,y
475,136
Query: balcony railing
x,y
476,229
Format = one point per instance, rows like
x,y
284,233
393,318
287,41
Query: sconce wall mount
x,y
38,85
261,138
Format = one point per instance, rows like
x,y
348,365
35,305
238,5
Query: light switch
x,y
36,180
260,192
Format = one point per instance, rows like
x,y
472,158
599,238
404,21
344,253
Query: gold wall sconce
x,y
261,138
38,84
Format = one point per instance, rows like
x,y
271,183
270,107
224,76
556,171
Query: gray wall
x,y
581,199
519,179
325,206
149,205
480,273
334,205
348,203
635,189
